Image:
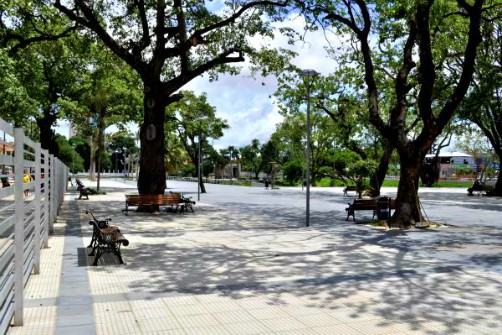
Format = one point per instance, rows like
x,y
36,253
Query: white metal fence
x,y
28,209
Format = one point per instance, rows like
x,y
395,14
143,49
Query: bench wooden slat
x,y
366,204
349,188
169,199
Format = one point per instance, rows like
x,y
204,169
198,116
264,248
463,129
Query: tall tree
x,y
425,35
195,121
251,158
169,43
483,105
346,112
32,36
15,102
108,93
49,70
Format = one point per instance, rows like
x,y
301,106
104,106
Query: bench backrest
x,y
364,203
112,232
154,199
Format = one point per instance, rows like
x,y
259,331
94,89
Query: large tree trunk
x,y
200,181
381,172
202,186
408,210
498,185
152,177
47,139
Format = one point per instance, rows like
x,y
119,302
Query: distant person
x,y
267,183
5,182
26,179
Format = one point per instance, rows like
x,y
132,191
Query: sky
x,y
246,103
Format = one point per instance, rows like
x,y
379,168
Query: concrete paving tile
x,y
194,321
235,316
247,328
208,330
31,330
75,329
299,310
189,310
223,306
268,313
305,331
158,324
147,303
115,306
350,314
340,329
378,327
180,300
170,332
152,313
283,324
39,316
254,303
318,320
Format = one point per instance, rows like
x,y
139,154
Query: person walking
x,y
26,179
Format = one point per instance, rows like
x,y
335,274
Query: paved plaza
x,y
244,263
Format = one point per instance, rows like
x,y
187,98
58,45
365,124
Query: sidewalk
x,y
227,269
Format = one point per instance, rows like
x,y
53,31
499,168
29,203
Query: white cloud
x,y
245,103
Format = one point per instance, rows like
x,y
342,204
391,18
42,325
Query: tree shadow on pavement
x,y
351,272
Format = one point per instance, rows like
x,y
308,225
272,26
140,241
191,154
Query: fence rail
x,y
33,187
224,181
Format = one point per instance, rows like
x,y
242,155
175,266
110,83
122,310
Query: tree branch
x,y
24,42
470,53
401,82
224,58
241,11
426,70
90,21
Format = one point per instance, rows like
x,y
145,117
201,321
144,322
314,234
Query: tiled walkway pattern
x,y
227,272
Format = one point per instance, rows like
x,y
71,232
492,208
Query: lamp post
x,y
308,78
199,156
198,165
73,160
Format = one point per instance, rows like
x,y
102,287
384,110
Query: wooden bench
x,y
349,188
105,239
367,204
174,200
187,204
479,188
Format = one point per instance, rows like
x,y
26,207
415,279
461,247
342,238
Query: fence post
x,y
46,199
52,193
37,219
19,226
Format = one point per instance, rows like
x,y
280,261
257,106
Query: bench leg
x,y
119,256
93,241
98,255
93,251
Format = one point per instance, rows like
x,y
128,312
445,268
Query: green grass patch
x,y
328,182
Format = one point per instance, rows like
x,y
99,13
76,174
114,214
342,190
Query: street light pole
x,y
198,166
308,76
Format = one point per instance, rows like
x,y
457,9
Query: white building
x,y
451,162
